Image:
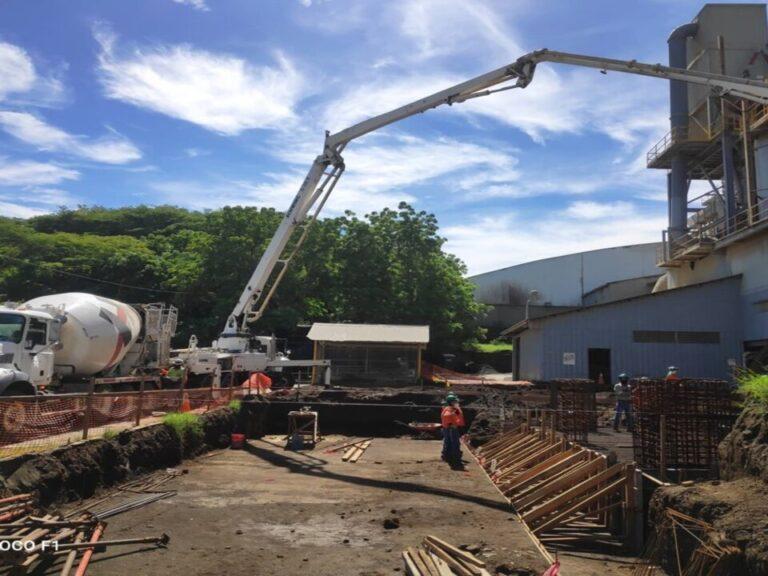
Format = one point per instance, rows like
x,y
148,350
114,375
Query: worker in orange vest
x,y
672,375
258,383
452,420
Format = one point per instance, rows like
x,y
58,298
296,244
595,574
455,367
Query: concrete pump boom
x,y
329,166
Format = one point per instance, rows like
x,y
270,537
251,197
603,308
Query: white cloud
x,y
382,171
17,72
588,210
111,149
31,173
13,210
20,81
493,242
219,92
34,201
440,28
196,4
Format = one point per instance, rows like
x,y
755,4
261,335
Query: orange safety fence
x,y
35,423
440,375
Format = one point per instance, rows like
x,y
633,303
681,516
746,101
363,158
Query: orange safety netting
x,y
42,422
440,375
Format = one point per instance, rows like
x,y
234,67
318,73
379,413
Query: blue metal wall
x,y
711,307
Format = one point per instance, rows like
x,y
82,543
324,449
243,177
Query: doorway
x,y
599,363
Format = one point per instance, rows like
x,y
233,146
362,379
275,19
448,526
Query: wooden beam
x,y
574,492
565,480
564,516
451,549
454,564
543,467
522,454
410,565
532,459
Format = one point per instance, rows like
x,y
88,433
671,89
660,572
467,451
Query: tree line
x,y
386,267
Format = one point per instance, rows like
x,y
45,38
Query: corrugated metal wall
x,y
711,307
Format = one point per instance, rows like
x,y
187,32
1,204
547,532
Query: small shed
x,y
375,353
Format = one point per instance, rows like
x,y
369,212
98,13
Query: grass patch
x,y
754,386
109,434
234,405
493,346
187,427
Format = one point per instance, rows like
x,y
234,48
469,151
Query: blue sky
x,y
203,103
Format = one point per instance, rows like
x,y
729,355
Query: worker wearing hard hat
x,y
623,392
452,420
175,373
672,375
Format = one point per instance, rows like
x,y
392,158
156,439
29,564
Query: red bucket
x,y
237,441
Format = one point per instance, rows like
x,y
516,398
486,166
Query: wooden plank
x,y
531,460
570,494
451,549
515,448
444,569
519,455
410,565
429,564
569,477
454,564
564,516
348,453
500,439
543,469
489,451
363,447
417,561
517,441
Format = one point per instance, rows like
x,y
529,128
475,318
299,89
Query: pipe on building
x,y
678,118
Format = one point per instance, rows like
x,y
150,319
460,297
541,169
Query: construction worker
x,y
452,420
623,392
175,373
672,375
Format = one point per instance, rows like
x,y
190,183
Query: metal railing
x,y
712,231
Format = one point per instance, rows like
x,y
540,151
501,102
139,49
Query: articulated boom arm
x,y
329,166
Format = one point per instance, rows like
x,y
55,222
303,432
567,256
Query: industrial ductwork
x,y
677,183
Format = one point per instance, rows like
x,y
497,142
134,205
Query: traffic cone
x,y
185,405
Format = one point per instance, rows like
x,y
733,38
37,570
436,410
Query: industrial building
x,y
642,336
566,282
702,302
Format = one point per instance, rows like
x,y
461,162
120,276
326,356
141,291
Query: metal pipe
x,y
83,566
678,119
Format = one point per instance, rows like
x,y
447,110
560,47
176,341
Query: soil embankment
x,y
736,505
80,470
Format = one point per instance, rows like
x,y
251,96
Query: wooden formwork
x,y
552,482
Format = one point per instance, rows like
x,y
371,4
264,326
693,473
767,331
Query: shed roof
x,y
394,333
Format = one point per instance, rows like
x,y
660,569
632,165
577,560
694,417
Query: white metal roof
x,y
397,333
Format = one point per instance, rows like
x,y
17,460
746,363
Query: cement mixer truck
x,y
57,343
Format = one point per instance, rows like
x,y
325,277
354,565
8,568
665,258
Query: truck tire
x,y
19,389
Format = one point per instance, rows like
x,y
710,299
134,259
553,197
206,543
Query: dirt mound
x,y
80,470
744,452
738,508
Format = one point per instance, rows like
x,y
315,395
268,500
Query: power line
x,y
52,268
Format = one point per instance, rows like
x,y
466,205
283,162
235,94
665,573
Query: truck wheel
x,y
19,389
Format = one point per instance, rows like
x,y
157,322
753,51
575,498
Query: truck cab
x,y
27,342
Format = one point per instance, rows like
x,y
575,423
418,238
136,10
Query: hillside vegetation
x,y
387,267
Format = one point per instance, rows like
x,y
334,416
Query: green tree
x,y
386,267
